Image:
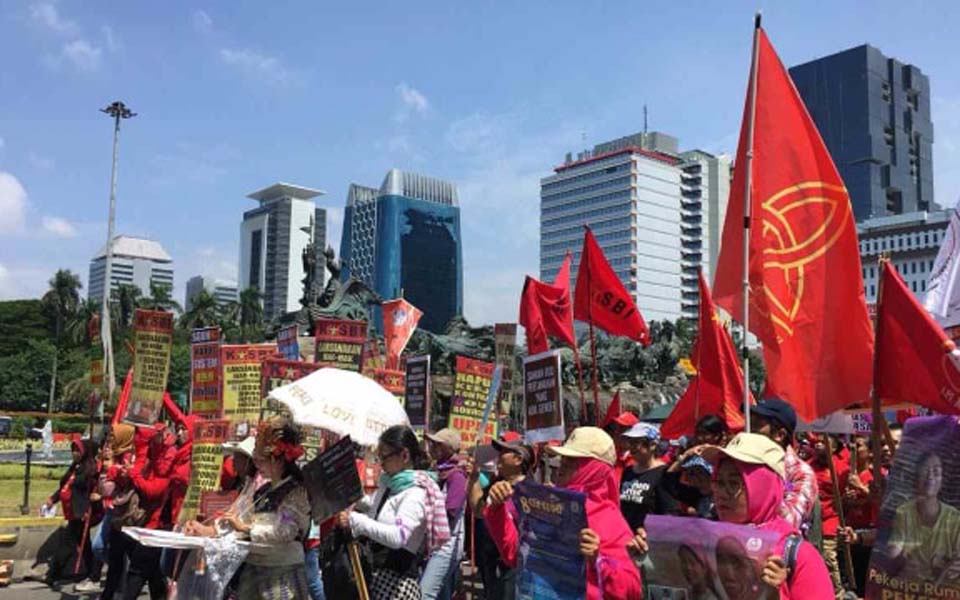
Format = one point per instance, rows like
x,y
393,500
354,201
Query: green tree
x,y
22,320
25,376
161,299
250,311
243,320
203,312
61,302
127,298
77,329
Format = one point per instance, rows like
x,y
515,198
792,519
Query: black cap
x,y
777,410
517,447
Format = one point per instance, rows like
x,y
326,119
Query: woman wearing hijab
x,y
76,487
748,490
587,461
405,518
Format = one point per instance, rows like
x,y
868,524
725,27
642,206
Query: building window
x,y
931,265
926,238
913,268
256,241
923,267
923,285
883,245
873,291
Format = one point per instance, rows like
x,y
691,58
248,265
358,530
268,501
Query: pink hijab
x,y
598,481
764,496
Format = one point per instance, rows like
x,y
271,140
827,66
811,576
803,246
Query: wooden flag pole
x,y
748,171
583,400
593,352
838,502
877,413
353,549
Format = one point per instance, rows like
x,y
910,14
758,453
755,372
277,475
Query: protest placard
x,y
505,345
206,458
288,344
332,480
214,502
418,392
96,351
153,339
550,564
917,552
205,372
471,385
543,397
697,558
340,343
277,372
391,380
242,402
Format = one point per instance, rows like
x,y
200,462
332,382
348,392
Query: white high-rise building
x,y
224,292
136,261
272,239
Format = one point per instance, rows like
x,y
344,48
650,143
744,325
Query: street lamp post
x,y
118,110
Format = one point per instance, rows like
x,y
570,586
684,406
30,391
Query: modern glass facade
x,y
405,237
873,113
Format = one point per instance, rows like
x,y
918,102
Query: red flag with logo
x,y
807,305
400,318
546,310
600,296
717,387
916,361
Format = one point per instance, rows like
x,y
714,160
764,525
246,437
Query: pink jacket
x,y
612,576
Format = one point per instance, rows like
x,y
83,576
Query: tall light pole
x,y
118,111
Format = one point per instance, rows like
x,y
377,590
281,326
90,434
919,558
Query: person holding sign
x,y
587,462
748,488
405,518
440,574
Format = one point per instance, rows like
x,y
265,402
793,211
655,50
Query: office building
x,y
224,292
272,239
136,261
628,191
873,113
404,238
911,240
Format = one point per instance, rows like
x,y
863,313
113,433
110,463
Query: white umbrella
x,y
344,402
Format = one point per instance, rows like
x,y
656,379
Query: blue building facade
x,y
873,113
405,237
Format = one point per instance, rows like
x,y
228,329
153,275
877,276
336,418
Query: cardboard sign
x,y
470,388
391,380
332,480
340,343
543,397
418,392
153,339
205,397
505,340
550,563
287,342
276,372
206,459
242,402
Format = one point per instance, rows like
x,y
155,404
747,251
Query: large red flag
x,y
916,361
718,386
613,411
400,319
601,297
546,310
806,293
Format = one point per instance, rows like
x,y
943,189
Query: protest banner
x,y
391,380
418,392
550,564
206,458
340,343
697,558
153,339
918,529
288,344
471,385
543,397
332,480
205,372
96,354
277,372
505,345
214,502
242,402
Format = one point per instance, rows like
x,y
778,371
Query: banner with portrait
x,y
471,385
153,340
340,343
696,558
206,458
205,372
917,552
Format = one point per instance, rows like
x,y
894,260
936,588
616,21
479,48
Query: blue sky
x,y
490,95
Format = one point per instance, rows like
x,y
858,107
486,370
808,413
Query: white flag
x,y
943,289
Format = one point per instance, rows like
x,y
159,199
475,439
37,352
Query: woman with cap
x,y
587,462
439,576
748,490
642,490
405,518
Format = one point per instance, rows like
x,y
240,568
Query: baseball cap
x,y
515,446
587,442
447,436
643,430
626,419
697,462
777,410
245,447
754,449
511,436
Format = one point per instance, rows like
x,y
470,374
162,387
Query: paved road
x,y
34,590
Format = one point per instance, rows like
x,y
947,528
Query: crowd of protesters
x,y
434,505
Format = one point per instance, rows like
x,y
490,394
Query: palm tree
x,y
160,299
250,309
61,301
77,329
128,298
204,311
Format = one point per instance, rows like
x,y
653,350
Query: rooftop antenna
x,y
644,119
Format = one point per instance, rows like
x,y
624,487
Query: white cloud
x,y
47,15
109,39
82,54
19,282
202,22
59,227
412,101
258,66
13,204
41,163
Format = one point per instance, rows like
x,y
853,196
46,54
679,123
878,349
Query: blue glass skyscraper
x,y
405,238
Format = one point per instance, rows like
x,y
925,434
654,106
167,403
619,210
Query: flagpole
x,y
593,352
748,179
874,397
583,400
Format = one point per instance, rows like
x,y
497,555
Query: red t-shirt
x,y
831,520
863,514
